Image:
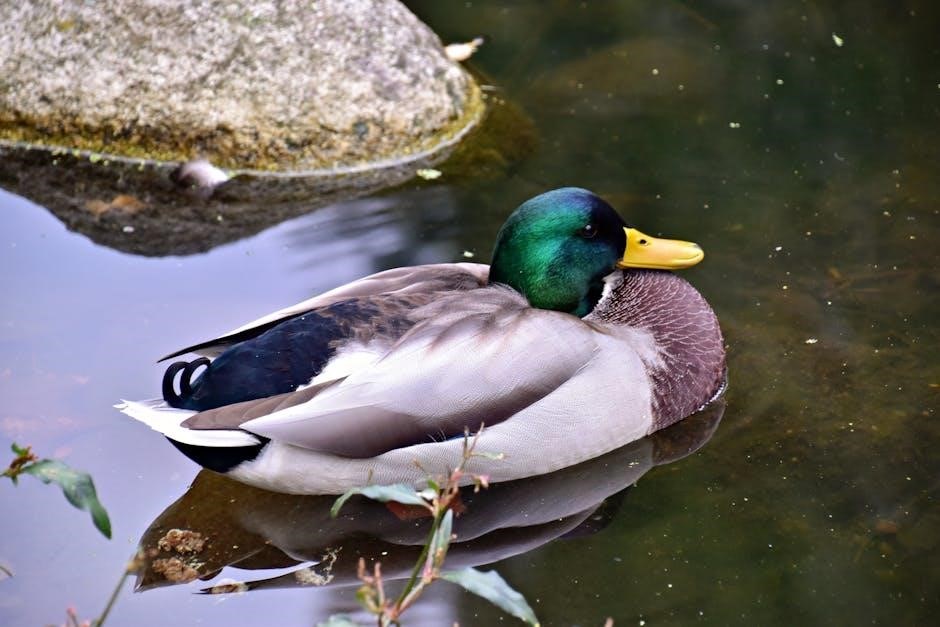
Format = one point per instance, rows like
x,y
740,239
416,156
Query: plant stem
x,y
98,622
419,565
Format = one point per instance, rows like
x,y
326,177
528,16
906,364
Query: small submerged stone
x,y
122,203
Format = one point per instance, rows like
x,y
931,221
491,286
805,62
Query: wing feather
x,y
427,278
235,415
476,358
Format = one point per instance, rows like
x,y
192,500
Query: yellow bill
x,y
644,251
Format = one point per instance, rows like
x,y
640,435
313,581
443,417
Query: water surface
x,y
796,142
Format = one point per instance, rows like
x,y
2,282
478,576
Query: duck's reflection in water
x,y
221,523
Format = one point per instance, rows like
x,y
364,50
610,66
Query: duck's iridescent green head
x,y
556,249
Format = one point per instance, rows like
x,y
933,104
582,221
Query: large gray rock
x,y
304,104
249,85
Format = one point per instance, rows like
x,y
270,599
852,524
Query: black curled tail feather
x,y
187,368
186,388
169,392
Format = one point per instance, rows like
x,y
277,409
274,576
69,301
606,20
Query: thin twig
x,y
98,622
418,564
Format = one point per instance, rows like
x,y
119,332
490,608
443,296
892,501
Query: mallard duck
x,y
576,340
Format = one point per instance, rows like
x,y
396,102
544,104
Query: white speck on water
x,y
429,174
128,229
837,40
468,254
780,81
655,72
811,340
734,124
778,248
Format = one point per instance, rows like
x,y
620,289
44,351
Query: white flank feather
x,y
159,416
348,361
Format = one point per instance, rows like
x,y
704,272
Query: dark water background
x,y
807,170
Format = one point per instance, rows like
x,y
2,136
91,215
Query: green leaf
x,y
494,589
338,620
399,492
441,539
77,486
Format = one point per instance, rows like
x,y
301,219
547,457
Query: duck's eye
x,y
644,242
588,231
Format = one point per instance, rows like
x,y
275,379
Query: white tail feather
x,y
159,416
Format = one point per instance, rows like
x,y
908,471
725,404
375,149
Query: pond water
x,y
798,143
